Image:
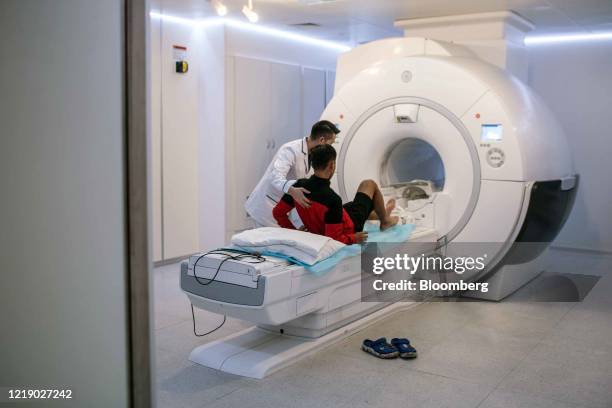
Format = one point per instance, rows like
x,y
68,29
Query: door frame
x,y
138,186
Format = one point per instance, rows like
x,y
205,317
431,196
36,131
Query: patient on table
x,y
326,214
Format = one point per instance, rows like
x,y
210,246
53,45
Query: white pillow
x,y
303,246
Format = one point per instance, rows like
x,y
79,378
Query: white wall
x,y
156,138
62,245
175,131
212,151
575,80
314,99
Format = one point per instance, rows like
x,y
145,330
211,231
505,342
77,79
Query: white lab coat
x,y
289,164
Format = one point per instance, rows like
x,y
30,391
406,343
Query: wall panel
x,y
180,127
575,82
330,83
313,97
286,104
253,129
156,138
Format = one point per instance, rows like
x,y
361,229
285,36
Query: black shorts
x,y
359,210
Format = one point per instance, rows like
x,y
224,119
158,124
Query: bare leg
x,y
390,206
370,188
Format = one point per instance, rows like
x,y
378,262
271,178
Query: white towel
x,y
304,246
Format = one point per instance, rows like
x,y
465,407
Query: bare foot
x,y
388,223
390,206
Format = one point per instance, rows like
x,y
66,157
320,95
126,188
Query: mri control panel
x,y
496,157
490,135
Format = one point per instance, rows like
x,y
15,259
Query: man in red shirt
x,y
326,214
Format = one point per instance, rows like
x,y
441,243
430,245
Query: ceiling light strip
x,y
273,32
172,19
529,40
567,38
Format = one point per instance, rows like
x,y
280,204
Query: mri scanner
x,y
470,153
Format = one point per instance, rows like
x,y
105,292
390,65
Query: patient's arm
x,y
281,212
335,231
334,228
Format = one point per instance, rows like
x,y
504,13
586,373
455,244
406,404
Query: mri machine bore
x,y
471,155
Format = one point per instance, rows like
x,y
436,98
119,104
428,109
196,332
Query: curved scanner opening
x,y
412,159
425,163
412,172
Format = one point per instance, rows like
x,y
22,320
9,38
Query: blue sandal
x,y
404,348
379,348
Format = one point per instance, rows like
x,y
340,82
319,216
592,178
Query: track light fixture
x,y
249,13
219,7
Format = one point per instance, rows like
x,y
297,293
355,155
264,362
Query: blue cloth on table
x,y
395,234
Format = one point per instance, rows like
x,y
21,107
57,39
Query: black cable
x,y
208,332
242,256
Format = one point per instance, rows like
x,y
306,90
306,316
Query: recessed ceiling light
x,y
305,25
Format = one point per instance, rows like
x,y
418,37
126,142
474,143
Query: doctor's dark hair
x,y
323,128
321,155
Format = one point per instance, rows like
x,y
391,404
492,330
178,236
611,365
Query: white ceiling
x,y
356,21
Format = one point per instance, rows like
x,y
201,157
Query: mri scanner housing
x,y
505,173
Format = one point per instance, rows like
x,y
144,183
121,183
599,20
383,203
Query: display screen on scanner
x,y
491,133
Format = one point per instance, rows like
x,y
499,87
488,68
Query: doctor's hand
x,y
298,196
361,237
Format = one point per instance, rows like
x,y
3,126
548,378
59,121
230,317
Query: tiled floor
x,y
516,353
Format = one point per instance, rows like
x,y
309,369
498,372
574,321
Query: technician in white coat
x,y
289,164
